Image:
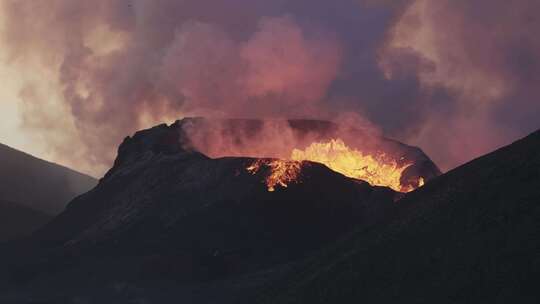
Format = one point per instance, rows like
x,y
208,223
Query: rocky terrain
x,y
165,215
471,235
169,224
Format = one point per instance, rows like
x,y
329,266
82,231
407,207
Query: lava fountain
x,y
282,172
283,146
376,169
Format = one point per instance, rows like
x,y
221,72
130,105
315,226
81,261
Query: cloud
x,y
285,64
421,71
278,70
485,57
119,66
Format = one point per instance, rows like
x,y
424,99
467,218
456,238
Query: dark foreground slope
x,y
17,220
469,236
38,184
168,225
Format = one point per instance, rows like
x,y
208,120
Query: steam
x,y
277,138
278,71
480,62
455,77
118,67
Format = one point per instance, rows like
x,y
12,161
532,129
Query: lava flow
x,y
376,169
282,172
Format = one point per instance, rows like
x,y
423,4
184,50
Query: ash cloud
x,y
480,61
455,77
280,70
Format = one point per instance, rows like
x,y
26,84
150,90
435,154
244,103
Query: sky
x,y
457,78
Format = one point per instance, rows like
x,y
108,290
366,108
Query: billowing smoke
x,y
279,70
478,67
457,78
277,137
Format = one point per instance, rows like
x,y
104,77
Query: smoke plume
x,y
477,65
457,78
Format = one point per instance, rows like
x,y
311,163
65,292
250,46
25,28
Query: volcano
x,y
169,223
166,211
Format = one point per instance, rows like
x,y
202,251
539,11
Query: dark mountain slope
x,y
469,236
17,220
38,184
174,216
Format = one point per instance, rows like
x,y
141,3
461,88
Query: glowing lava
x,y
376,169
282,172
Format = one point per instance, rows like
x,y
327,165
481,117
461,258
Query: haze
x,y
456,78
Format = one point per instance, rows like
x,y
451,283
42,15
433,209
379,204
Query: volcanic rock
x,y
167,213
471,235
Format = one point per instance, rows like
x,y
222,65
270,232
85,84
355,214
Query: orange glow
x,y
378,170
409,188
282,172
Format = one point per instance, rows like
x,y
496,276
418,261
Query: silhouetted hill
x,y
17,220
469,236
170,222
38,184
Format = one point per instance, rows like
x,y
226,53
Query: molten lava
x,y
378,170
282,172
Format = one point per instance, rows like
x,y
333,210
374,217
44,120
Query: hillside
x,y
168,221
169,224
17,220
469,236
40,185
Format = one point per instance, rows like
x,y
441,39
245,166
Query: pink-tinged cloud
x,y
486,56
458,78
